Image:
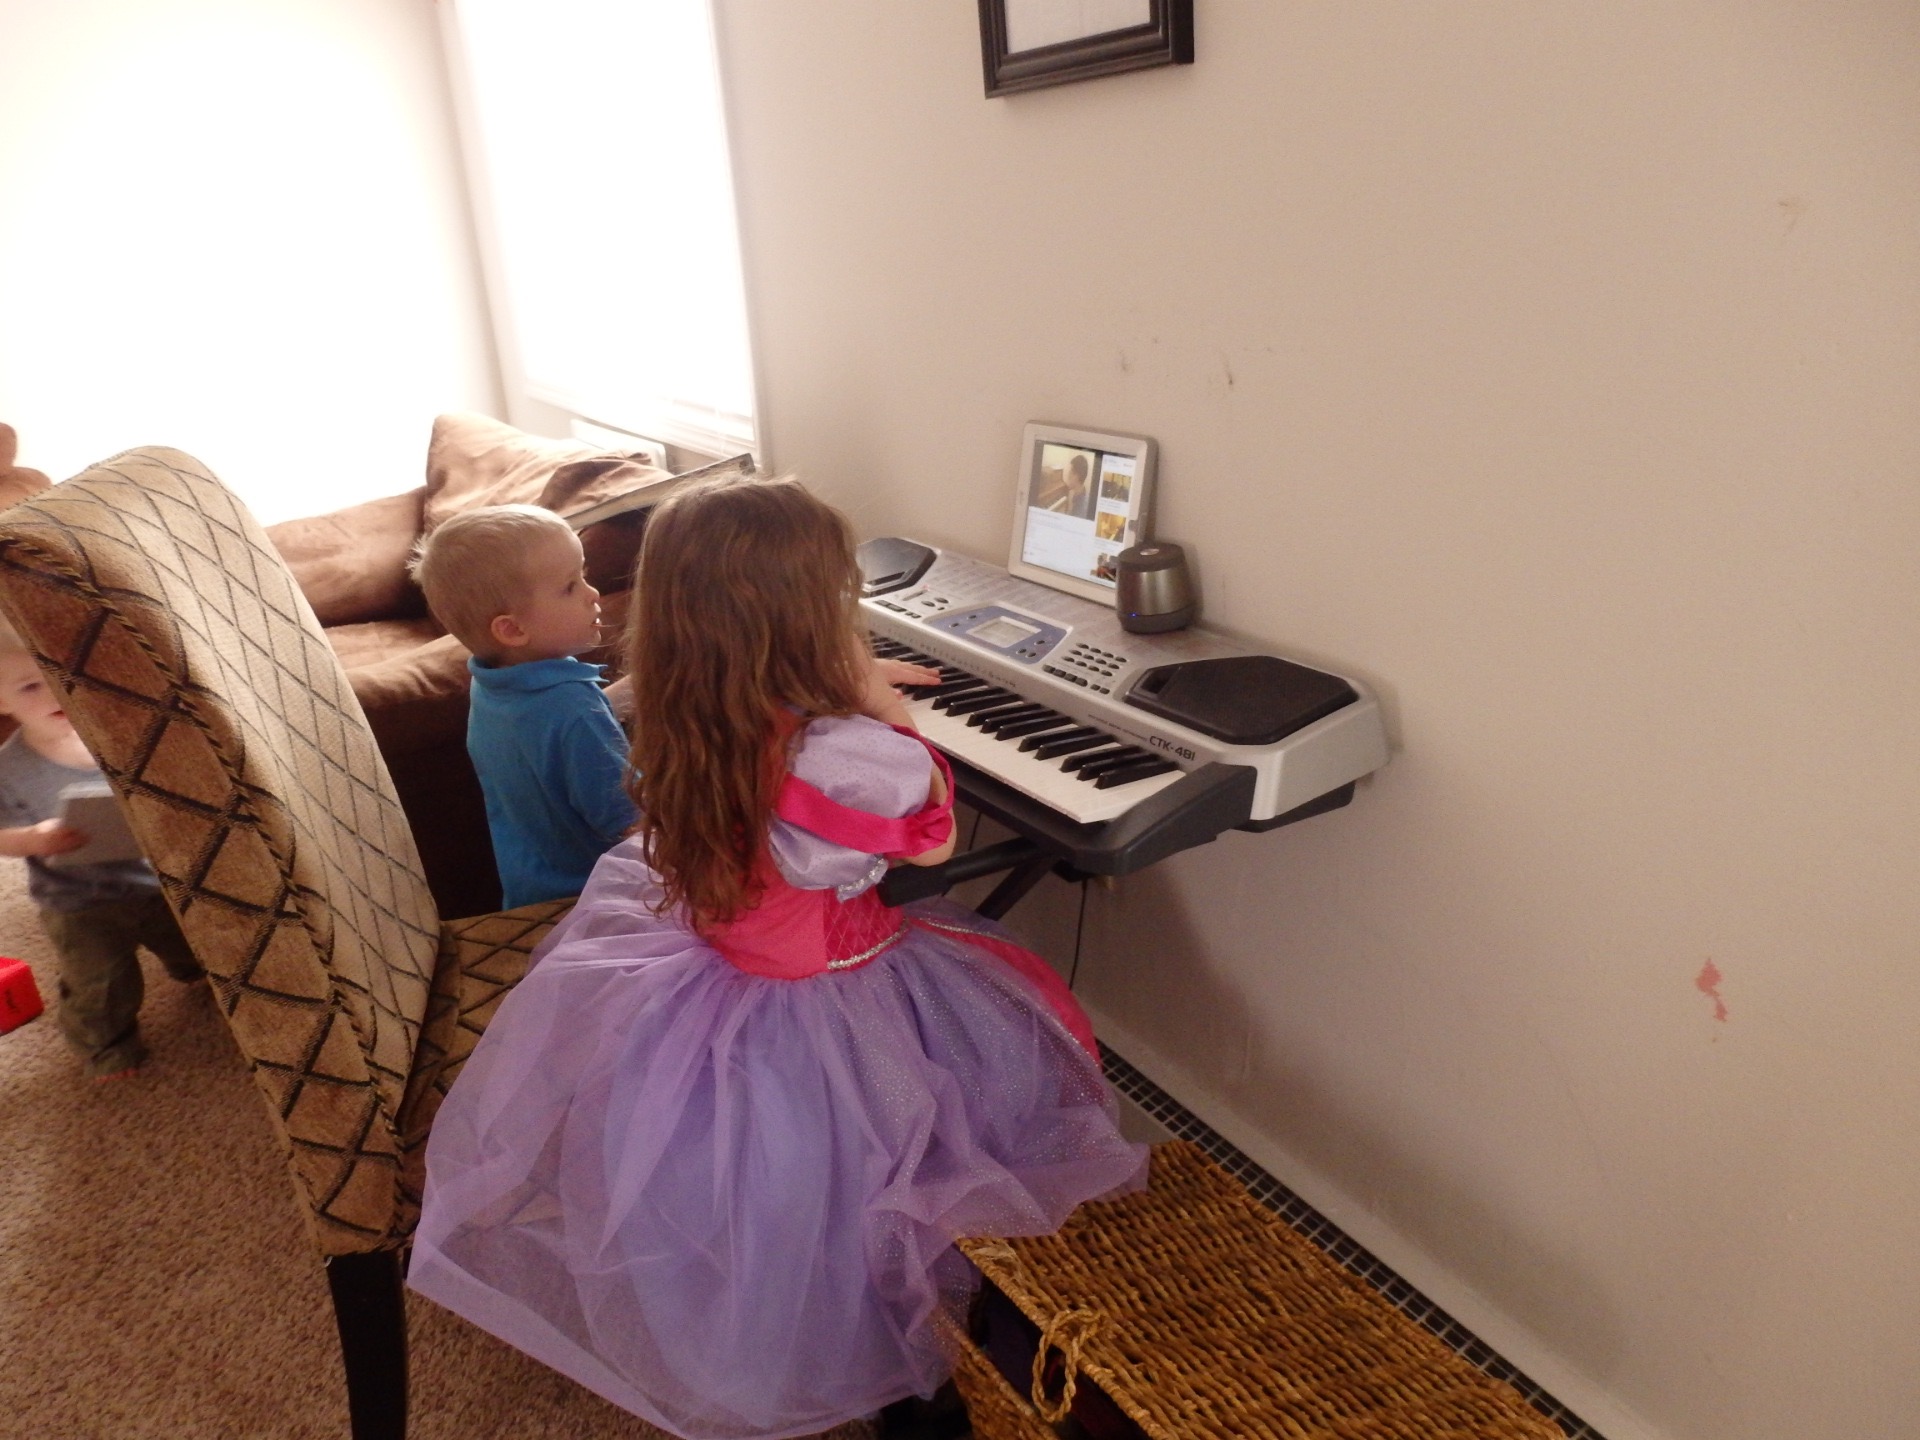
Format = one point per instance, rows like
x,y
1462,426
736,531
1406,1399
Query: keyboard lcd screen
x,y
1001,633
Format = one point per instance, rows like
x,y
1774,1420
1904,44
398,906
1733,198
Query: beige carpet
x,y
155,1279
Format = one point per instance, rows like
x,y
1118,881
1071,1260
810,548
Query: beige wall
x,y
1556,368
238,228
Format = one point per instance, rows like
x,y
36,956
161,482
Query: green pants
x,y
100,982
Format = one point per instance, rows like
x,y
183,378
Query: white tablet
x,y
1081,498
89,806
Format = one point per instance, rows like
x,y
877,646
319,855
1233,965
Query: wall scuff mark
x,y
1707,982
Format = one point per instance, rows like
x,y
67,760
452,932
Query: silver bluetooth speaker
x,y
1153,590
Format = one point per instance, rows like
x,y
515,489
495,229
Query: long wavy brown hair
x,y
745,617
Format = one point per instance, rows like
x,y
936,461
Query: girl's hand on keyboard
x,y
900,672
882,701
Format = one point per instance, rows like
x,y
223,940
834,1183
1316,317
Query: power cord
x,y
1079,930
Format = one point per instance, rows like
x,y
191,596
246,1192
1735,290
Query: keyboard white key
x,y
1089,669
1044,780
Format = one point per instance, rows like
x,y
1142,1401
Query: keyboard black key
x,y
946,673
1144,768
1051,747
1040,723
1011,703
953,690
991,720
1097,742
981,700
1099,766
1088,757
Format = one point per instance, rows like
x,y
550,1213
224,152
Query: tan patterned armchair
x,y
194,669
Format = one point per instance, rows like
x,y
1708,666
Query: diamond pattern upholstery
x,y
194,669
481,958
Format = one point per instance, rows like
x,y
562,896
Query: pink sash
x,y
792,934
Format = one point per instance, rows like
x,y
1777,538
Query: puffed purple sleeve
x,y
860,763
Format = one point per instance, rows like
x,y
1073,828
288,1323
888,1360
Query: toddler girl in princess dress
x,y
711,1156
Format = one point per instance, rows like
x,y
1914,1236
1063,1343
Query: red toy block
x,y
19,996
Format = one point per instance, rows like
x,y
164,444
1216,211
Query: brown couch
x,y
409,674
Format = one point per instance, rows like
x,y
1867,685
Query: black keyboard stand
x,y
1204,803
1192,812
1025,863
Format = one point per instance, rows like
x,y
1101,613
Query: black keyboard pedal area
x,y
1243,699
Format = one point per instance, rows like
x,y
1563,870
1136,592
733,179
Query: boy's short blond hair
x,y
474,568
10,641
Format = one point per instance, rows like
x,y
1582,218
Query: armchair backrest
x,y
193,668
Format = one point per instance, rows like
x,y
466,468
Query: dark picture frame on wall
x,y
1026,44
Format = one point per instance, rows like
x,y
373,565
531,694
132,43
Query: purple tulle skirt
x,y
727,1203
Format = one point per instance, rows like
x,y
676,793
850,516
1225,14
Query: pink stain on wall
x,y
1707,982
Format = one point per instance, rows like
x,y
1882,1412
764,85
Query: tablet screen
x,y
1083,502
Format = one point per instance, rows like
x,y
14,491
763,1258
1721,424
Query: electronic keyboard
x,y
1107,750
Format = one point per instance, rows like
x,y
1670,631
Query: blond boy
x,y
509,581
97,915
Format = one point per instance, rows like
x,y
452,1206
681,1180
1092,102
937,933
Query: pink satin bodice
x,y
791,933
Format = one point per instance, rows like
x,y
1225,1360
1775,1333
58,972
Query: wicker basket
x,y
1204,1317
996,1409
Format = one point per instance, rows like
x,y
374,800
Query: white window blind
x,y
596,141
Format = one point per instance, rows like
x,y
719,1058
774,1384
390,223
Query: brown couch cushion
x,y
612,549
16,481
414,697
371,641
352,564
412,681
581,484
475,460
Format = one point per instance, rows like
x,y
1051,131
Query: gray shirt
x,y
30,786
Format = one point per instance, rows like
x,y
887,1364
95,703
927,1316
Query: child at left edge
x,y
96,916
509,582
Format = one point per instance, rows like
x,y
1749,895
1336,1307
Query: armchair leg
x,y
370,1309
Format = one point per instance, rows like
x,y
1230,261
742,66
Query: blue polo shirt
x,y
551,760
